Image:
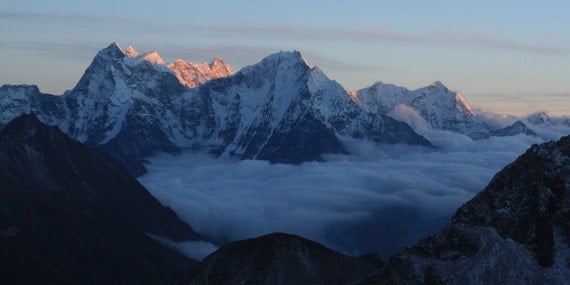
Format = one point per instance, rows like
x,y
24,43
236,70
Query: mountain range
x,y
130,105
71,212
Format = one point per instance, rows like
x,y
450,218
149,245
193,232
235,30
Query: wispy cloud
x,y
496,96
435,38
69,49
292,32
489,41
521,103
527,96
27,16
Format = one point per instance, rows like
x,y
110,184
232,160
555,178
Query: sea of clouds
x,y
380,198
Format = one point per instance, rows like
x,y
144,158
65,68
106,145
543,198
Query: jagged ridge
x,y
516,230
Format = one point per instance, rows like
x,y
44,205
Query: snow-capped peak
x,y
439,85
376,84
287,56
440,107
112,51
280,60
115,51
131,52
388,88
153,57
540,118
217,62
7,89
115,45
220,69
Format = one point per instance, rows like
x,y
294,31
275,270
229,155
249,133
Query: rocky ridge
x,y
70,215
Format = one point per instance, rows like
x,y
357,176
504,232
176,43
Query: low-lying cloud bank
x,y
380,198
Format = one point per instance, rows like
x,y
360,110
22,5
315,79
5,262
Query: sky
x,y
509,57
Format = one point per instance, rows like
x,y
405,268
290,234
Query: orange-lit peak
x,y
131,52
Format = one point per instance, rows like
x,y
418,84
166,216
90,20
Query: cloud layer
x,y
380,198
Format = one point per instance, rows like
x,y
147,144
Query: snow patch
x,y
193,249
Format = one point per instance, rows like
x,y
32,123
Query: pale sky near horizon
x,y
504,56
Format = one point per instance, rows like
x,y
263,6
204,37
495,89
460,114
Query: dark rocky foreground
x,y
70,215
281,259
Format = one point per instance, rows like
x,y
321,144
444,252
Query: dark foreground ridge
x,y
516,230
70,215
282,259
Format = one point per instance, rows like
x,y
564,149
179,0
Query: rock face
x,y
130,105
440,107
282,259
515,231
70,215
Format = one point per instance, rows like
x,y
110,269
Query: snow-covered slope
x,y
262,105
283,110
117,85
22,99
440,107
516,231
15,100
120,103
131,104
